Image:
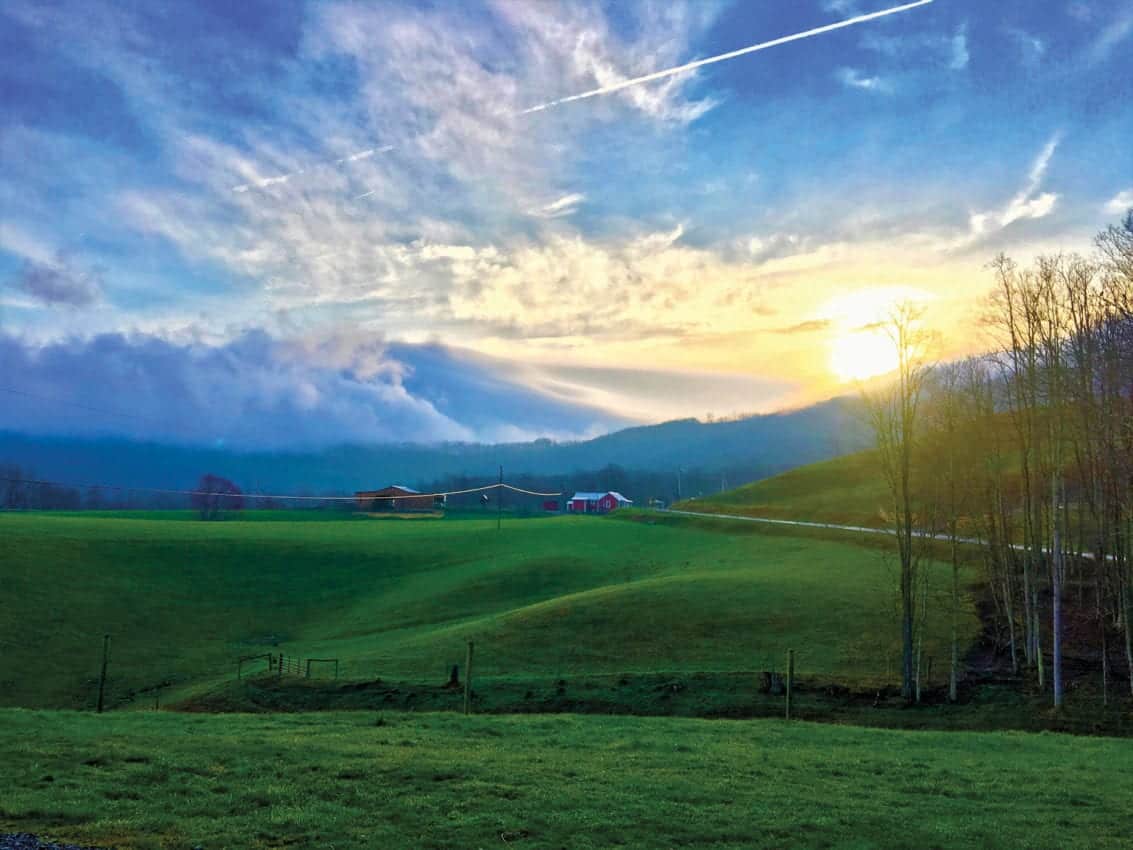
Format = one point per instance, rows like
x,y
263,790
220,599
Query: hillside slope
x,y
847,490
543,599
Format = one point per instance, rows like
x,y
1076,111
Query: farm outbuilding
x,y
397,497
597,503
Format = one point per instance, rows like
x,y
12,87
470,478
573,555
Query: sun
x,y
860,348
862,354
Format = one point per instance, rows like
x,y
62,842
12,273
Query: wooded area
x,y
1028,449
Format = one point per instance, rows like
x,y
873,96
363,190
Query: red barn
x,y
397,498
597,503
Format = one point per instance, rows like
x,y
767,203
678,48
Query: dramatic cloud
x,y
358,171
259,392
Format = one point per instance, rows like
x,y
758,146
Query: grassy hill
x,y
543,599
140,781
847,490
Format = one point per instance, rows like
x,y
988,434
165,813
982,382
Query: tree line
x,y
1026,451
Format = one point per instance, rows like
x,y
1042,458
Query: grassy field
x,y
543,599
165,780
847,490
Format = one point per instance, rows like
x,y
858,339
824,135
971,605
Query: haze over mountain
x,y
742,449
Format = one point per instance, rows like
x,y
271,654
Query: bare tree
x,y
893,415
214,495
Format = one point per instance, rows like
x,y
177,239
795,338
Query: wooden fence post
x,y
468,680
102,675
790,678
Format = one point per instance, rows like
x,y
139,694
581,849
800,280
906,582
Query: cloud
x,y
852,78
563,206
959,50
584,46
257,391
659,394
611,82
1028,203
1120,203
57,283
1113,34
938,49
1031,47
810,326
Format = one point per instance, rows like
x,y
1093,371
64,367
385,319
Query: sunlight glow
x,y
862,355
860,348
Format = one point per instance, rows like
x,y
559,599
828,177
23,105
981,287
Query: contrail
x,y
743,51
283,178
635,81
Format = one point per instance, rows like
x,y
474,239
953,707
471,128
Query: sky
x,y
283,223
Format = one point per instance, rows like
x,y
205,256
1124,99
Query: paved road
x,y
973,541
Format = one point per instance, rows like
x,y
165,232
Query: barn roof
x,y
594,496
388,490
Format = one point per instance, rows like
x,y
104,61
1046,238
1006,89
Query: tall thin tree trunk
x,y
1056,590
1007,591
954,672
1100,612
1128,628
1040,667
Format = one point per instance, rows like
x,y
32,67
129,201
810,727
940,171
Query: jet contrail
x,y
635,81
699,63
283,178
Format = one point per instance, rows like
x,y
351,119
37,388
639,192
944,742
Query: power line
x,y
173,492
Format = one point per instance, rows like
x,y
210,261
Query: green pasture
x,y
542,599
138,781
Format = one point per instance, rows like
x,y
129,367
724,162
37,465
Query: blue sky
x,y
358,180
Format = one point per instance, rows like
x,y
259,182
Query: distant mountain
x,y
740,450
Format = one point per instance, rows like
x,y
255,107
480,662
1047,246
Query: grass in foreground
x,y
554,598
161,780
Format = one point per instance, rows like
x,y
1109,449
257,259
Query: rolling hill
x,y
847,490
544,599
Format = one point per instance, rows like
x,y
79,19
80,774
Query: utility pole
x,y
500,500
468,680
102,675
